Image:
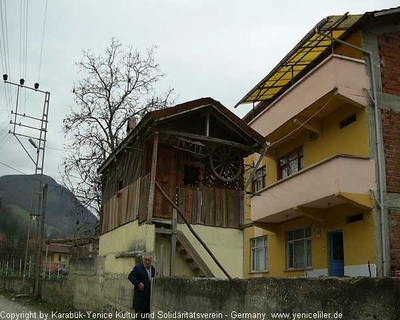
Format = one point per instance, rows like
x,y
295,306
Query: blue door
x,y
336,256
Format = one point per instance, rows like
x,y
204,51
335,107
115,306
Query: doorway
x,y
336,254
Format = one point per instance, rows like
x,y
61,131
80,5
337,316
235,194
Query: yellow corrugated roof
x,y
301,57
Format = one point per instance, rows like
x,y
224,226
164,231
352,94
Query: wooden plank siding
x,y
207,206
211,206
122,208
166,177
144,198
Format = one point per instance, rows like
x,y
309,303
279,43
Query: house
x,y
55,256
326,193
174,187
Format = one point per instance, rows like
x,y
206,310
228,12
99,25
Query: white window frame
x,y
257,246
296,240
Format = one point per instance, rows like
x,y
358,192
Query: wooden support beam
x,y
173,242
205,138
163,231
208,124
310,212
152,178
312,125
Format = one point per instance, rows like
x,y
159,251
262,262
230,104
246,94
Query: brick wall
x,y
394,236
391,142
389,55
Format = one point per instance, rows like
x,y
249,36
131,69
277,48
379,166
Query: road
x,y
12,310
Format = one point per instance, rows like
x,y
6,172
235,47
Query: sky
x,y
206,48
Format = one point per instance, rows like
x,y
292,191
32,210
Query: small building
x,y
188,157
326,196
55,257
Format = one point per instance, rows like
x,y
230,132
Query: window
x,y
259,254
349,120
298,249
191,176
258,182
355,218
291,163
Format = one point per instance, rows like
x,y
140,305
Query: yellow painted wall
x,y
251,232
352,139
127,238
358,241
225,243
358,237
55,257
355,39
181,267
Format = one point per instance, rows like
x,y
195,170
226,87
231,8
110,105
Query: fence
x,y
49,270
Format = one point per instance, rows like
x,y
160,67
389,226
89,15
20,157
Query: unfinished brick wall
x,y
394,236
391,142
389,55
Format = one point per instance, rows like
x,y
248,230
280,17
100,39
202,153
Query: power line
x,y
304,123
5,52
8,166
26,174
55,148
41,47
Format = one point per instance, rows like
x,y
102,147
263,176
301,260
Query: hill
x,y
65,216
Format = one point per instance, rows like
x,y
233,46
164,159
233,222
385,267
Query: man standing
x,y
140,277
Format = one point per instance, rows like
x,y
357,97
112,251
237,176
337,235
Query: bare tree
x,y
12,235
117,85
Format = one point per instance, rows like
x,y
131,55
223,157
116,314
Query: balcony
x,y
337,79
334,181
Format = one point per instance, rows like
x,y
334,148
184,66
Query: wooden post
x,y
152,178
208,124
173,242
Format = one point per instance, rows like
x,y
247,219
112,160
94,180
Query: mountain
x,y
65,216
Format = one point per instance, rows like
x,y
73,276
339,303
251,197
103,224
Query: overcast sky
x,y
216,48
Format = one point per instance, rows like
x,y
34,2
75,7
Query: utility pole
x,y
36,133
38,261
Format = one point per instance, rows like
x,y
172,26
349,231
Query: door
x,y
336,256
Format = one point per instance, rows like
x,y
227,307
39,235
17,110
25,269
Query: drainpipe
x,y
378,139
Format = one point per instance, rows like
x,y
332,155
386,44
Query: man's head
x,y
147,260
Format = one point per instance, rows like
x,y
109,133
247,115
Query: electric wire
x,y
26,174
302,124
4,138
5,51
21,2
6,31
12,168
26,38
43,34
26,46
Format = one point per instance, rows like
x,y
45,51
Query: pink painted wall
x,y
348,76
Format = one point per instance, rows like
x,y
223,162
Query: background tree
x,y
12,236
117,85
